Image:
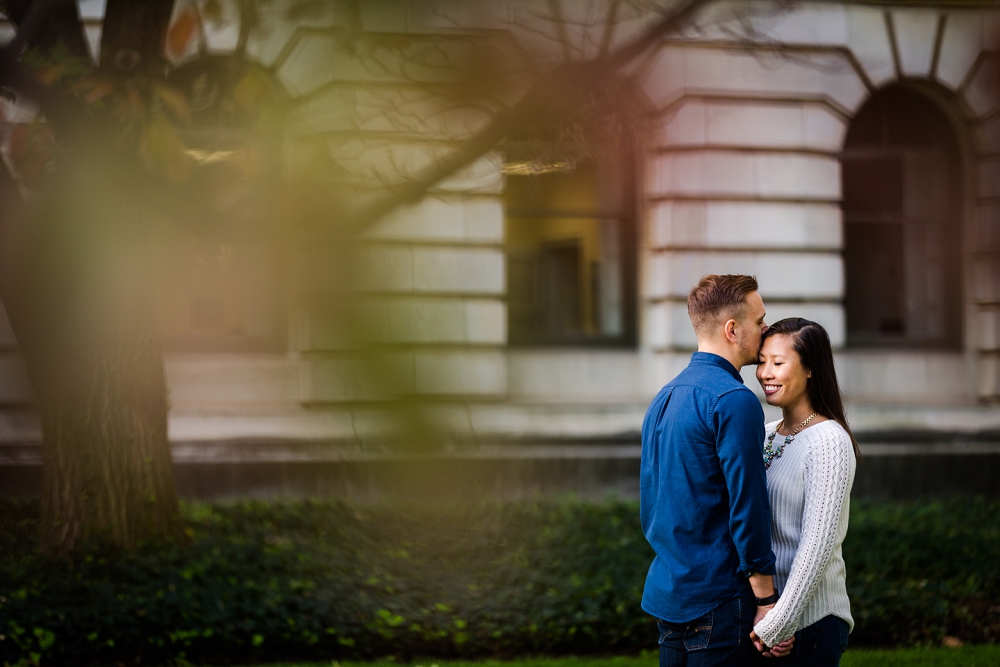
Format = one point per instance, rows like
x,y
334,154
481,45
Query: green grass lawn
x,y
965,656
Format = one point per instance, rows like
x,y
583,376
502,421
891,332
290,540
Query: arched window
x,y
902,224
571,239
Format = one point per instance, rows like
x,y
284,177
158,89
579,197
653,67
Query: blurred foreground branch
x,y
160,130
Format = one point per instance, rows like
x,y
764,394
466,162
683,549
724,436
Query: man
x,y
703,490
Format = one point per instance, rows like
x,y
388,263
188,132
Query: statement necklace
x,y
770,453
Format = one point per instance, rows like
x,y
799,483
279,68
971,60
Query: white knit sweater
x,y
809,488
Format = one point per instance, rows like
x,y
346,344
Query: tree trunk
x,y
75,279
107,472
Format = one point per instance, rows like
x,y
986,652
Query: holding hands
x,y
779,650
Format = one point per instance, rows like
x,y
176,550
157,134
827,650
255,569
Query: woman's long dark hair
x,y
812,344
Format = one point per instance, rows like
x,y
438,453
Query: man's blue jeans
x,y
720,637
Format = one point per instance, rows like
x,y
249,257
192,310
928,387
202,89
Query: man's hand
x,y
781,649
761,613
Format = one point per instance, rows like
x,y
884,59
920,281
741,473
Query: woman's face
x,y
781,373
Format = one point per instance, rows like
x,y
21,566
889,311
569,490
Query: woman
x,y
810,455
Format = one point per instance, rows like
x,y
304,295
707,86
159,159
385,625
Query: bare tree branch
x,y
134,34
610,23
555,9
559,86
249,20
61,22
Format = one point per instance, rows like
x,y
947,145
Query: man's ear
x,y
731,331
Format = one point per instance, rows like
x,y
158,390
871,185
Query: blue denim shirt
x,y
703,491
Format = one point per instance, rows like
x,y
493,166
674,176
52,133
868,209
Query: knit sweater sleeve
x,y
829,473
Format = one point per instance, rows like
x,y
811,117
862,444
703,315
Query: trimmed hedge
x,y
920,571
324,579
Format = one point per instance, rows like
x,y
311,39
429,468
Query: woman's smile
x,y
780,372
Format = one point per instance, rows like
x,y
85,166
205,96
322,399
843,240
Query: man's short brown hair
x,y
716,296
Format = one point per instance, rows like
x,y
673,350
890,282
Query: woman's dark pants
x,y
818,645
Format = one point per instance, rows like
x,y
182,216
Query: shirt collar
x,y
711,359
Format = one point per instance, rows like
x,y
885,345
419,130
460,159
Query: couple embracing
x,y
747,519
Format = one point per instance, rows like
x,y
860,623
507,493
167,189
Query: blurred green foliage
x,y
325,579
920,571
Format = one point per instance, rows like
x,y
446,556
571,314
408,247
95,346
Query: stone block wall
x,y
741,173
428,280
750,118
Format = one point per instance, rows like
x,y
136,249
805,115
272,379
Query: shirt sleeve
x,y
739,422
829,474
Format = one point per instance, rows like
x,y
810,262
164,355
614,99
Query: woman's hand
x,y
779,650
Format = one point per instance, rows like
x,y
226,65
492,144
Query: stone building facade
x,y
847,154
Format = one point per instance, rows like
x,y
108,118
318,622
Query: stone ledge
x,y
538,421
896,472
286,451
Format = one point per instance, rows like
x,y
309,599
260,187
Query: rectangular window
x,y
223,285
899,253
570,253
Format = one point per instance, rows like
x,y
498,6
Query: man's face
x,y
750,328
